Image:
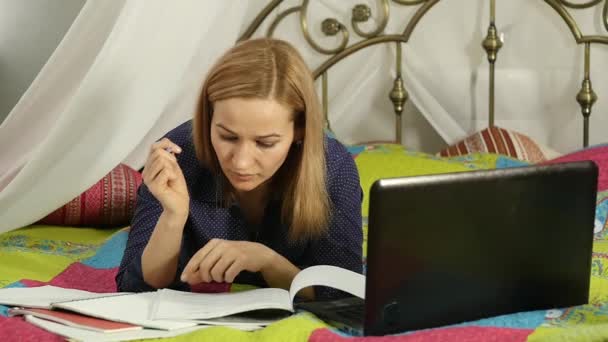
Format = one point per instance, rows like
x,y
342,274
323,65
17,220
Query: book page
x,y
172,304
332,276
43,296
133,309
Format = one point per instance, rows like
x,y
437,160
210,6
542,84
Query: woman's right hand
x,y
165,180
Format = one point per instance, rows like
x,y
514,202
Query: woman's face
x,y
251,138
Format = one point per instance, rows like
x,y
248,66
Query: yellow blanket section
x,y
41,252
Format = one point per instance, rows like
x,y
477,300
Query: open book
x,y
209,308
174,310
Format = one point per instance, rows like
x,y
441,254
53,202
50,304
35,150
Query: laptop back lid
x,y
445,249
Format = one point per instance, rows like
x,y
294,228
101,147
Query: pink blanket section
x,y
597,154
16,329
82,277
471,334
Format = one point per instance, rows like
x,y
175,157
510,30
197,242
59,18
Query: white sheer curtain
x,y
121,69
128,71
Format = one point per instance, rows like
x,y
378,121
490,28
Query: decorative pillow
x,y
109,202
501,141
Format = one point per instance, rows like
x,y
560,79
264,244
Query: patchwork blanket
x,y
87,258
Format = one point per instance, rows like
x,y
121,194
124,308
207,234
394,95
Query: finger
x,y
193,279
218,271
195,260
160,158
162,154
204,269
161,179
156,157
166,144
233,270
169,161
150,172
154,170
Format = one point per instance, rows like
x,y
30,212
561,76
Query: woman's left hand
x,y
222,260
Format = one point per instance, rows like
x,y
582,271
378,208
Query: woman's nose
x,y
242,158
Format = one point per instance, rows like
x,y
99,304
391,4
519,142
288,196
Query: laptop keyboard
x,y
354,311
346,310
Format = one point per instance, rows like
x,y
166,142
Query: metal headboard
x,y
361,13
586,97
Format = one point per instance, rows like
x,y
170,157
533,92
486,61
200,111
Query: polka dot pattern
x,y
341,246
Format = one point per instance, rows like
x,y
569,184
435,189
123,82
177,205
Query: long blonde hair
x,y
273,69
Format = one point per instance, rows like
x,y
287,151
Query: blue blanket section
x,y
519,320
110,253
504,162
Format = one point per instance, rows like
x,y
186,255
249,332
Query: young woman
x,y
251,190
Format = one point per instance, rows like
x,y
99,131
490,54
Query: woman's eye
x,y
263,144
228,138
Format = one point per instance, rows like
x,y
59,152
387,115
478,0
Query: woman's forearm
x,y
161,255
280,272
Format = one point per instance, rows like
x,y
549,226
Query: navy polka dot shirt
x,y
341,246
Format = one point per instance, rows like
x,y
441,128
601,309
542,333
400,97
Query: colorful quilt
x,y
87,258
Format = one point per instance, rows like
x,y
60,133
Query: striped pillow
x,y
108,203
501,141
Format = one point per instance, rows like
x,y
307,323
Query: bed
x,y
88,257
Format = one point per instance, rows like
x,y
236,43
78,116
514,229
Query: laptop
x,y
451,248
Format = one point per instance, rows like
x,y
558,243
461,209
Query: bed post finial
x,y
398,96
492,45
586,97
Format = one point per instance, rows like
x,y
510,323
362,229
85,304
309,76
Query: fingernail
x,y
179,149
183,278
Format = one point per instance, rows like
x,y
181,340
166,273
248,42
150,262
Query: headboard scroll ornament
x,y
586,96
362,13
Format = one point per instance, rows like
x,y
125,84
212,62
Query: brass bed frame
x,y
361,13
